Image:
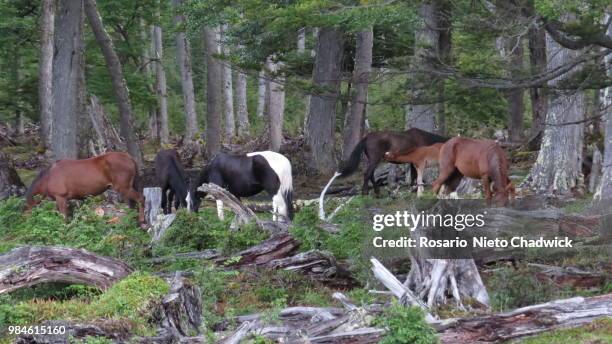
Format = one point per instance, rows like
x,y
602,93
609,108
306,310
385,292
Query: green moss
x,y
131,300
599,331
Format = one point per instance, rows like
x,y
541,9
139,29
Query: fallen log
x,y
30,265
317,265
527,321
277,246
568,276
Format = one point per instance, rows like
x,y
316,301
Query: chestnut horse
x,y
76,179
375,144
478,159
421,157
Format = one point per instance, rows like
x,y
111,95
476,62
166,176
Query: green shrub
x,y
405,326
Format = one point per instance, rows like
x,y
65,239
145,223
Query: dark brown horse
x,y
76,179
478,159
376,144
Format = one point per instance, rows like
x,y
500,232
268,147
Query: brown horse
x,y
375,144
478,159
76,179
421,157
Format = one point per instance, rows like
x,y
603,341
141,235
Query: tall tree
x,y
511,49
116,74
261,93
160,84
68,80
213,93
361,73
228,93
45,70
184,59
241,104
276,105
558,166
603,194
322,115
537,65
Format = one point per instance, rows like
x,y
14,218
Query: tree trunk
x,y
276,106
160,86
45,70
184,59
539,99
68,76
603,194
511,49
213,93
356,116
119,85
10,183
261,93
241,101
321,120
228,94
558,169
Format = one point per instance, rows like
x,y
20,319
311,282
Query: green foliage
x,y
131,299
117,237
405,326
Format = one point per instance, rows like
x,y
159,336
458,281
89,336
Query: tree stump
x,y
10,183
152,203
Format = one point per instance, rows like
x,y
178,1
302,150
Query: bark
x,y
68,80
527,321
241,102
322,113
30,265
603,195
511,49
356,116
160,86
558,168
539,99
10,183
119,85
421,113
107,137
276,106
277,246
213,93
228,96
261,93
184,59
45,70
180,312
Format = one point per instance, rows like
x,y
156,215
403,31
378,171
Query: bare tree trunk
x,y
184,59
213,93
604,189
276,107
511,49
301,49
539,99
322,113
228,95
45,70
558,169
160,86
421,113
68,75
241,101
119,86
261,93
356,116
147,70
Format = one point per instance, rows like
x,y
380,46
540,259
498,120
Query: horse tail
x,y
30,192
498,168
350,166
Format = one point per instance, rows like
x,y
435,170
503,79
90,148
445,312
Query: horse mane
x,y
32,187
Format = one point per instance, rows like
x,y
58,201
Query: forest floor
x,y
227,293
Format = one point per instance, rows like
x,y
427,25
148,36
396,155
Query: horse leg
x,y
420,171
369,176
171,200
133,195
62,206
164,201
486,187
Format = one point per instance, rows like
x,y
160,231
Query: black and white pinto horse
x,y
248,174
171,178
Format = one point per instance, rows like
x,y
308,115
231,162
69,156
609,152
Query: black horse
x,y
375,144
171,178
247,175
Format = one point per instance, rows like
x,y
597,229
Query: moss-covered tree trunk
x,y
213,93
45,70
558,168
